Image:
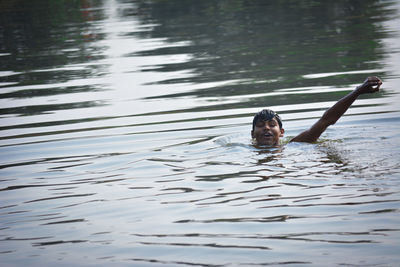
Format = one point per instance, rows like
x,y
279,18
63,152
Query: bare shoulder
x,y
311,135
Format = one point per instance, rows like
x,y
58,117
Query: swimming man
x,y
267,125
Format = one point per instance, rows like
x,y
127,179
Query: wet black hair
x,y
266,115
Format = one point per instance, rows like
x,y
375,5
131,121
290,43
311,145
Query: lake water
x,y
125,133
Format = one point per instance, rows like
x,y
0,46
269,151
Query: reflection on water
x,y
125,133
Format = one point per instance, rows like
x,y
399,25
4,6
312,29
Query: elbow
x,y
330,122
327,120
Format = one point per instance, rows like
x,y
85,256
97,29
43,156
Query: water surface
x,y
125,133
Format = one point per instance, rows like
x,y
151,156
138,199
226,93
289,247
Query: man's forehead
x,y
266,119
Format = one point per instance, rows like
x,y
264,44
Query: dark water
x,y
125,133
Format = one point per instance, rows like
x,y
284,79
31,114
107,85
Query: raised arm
x,y
370,85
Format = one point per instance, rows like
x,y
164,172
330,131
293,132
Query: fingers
x,y
374,82
370,85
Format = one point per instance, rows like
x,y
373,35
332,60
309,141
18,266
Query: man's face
x,y
267,132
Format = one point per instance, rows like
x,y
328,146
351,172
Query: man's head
x,y
267,128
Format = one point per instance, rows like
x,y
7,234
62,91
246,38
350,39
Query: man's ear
x,y
252,134
282,132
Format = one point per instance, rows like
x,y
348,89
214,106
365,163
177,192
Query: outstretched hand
x,y
370,85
